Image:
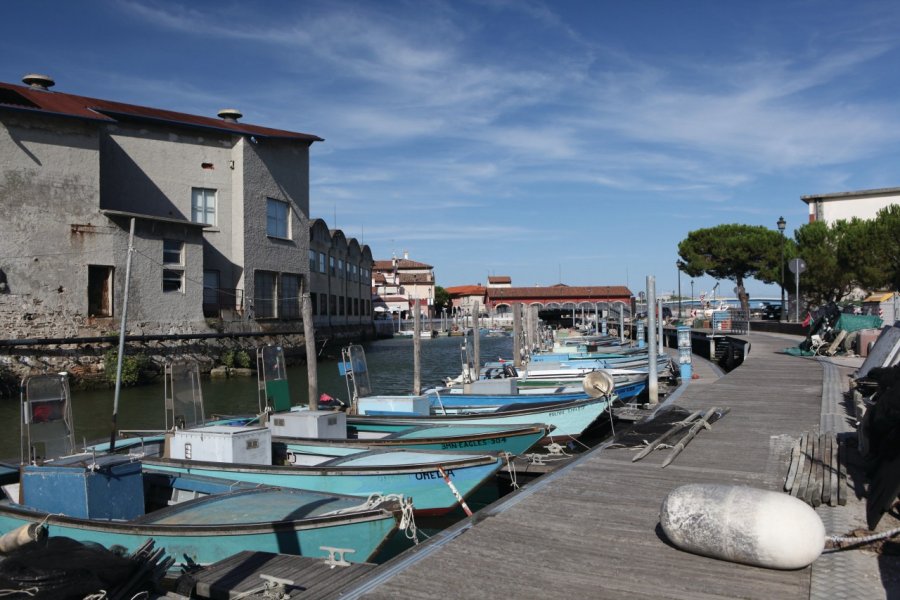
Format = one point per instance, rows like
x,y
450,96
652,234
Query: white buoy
x,y
18,537
743,524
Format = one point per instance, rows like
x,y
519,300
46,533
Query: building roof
x,y
32,100
402,263
499,279
466,290
415,278
123,213
852,195
598,293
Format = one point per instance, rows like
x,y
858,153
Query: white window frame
x,y
278,225
169,252
173,275
204,205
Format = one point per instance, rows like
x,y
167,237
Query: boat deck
x,y
590,529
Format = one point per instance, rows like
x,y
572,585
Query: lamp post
x,y
692,296
678,266
781,224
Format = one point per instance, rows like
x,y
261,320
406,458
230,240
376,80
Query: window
x,y
289,307
341,306
340,269
332,304
173,280
313,303
355,273
173,252
312,261
211,304
264,294
277,215
203,206
323,304
331,265
322,262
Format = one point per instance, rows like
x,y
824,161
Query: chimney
x,y
38,82
230,114
406,255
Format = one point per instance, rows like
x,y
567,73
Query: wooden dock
x,y
591,529
244,575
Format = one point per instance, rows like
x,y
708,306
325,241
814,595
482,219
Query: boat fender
x,y
743,524
18,537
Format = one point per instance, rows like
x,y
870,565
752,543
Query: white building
x,y
863,204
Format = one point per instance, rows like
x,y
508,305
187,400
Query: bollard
x,y
684,352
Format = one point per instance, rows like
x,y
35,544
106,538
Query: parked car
x,y
772,311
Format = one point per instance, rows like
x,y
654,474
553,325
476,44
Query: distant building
x,y
221,210
340,276
403,278
864,204
463,298
500,300
496,281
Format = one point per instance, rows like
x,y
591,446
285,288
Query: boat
x,y
116,499
569,418
243,450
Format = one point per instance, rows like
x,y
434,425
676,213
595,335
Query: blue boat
x,y
115,499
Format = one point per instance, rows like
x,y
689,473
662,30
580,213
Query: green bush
x,y
242,359
133,367
227,358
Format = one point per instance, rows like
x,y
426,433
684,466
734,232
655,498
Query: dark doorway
x,y
100,286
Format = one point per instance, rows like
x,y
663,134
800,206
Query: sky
x,y
565,141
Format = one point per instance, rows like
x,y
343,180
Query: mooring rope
x,y
511,469
854,542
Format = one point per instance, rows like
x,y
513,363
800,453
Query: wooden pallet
x,y
818,473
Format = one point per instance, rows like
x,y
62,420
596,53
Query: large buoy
x,y
743,524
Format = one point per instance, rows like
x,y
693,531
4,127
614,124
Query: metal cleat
x,y
336,556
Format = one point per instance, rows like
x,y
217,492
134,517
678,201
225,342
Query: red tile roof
x,y
31,100
466,290
499,279
402,263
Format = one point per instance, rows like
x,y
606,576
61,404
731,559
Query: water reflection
x,y
390,372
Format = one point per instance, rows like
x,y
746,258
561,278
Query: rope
x,y
101,595
511,469
855,542
27,591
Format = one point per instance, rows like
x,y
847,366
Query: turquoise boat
x,y
116,500
357,472
569,419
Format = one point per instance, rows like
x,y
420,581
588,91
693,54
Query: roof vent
x,y
230,114
39,82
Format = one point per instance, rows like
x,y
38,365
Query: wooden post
x,y
309,334
476,308
417,347
517,334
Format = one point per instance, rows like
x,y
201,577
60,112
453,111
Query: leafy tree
x,y
734,252
884,246
441,299
825,279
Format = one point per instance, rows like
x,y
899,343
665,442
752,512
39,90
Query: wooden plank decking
x,y
591,530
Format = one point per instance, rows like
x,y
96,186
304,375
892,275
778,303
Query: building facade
x,y
340,278
863,204
220,211
403,281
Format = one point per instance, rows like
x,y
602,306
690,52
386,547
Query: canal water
x,y
390,372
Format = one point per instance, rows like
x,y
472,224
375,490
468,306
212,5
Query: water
x,y
390,372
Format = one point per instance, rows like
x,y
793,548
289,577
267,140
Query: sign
x,y
797,266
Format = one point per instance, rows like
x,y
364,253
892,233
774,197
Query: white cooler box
x,y
318,424
221,443
400,406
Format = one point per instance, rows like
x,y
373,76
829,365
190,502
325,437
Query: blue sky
x,y
549,141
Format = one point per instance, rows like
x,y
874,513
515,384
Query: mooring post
x,y
417,346
652,380
309,333
517,334
476,338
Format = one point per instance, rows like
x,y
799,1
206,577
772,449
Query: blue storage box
x,y
102,487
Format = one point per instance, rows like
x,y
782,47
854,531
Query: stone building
x,y
404,278
220,208
340,278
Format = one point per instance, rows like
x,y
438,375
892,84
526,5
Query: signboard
x,y
797,266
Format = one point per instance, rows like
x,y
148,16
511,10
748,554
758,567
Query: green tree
x,y
733,252
441,300
884,247
825,278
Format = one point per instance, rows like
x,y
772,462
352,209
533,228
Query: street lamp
x,y
678,266
781,224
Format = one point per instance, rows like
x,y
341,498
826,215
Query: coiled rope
x,y
855,542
